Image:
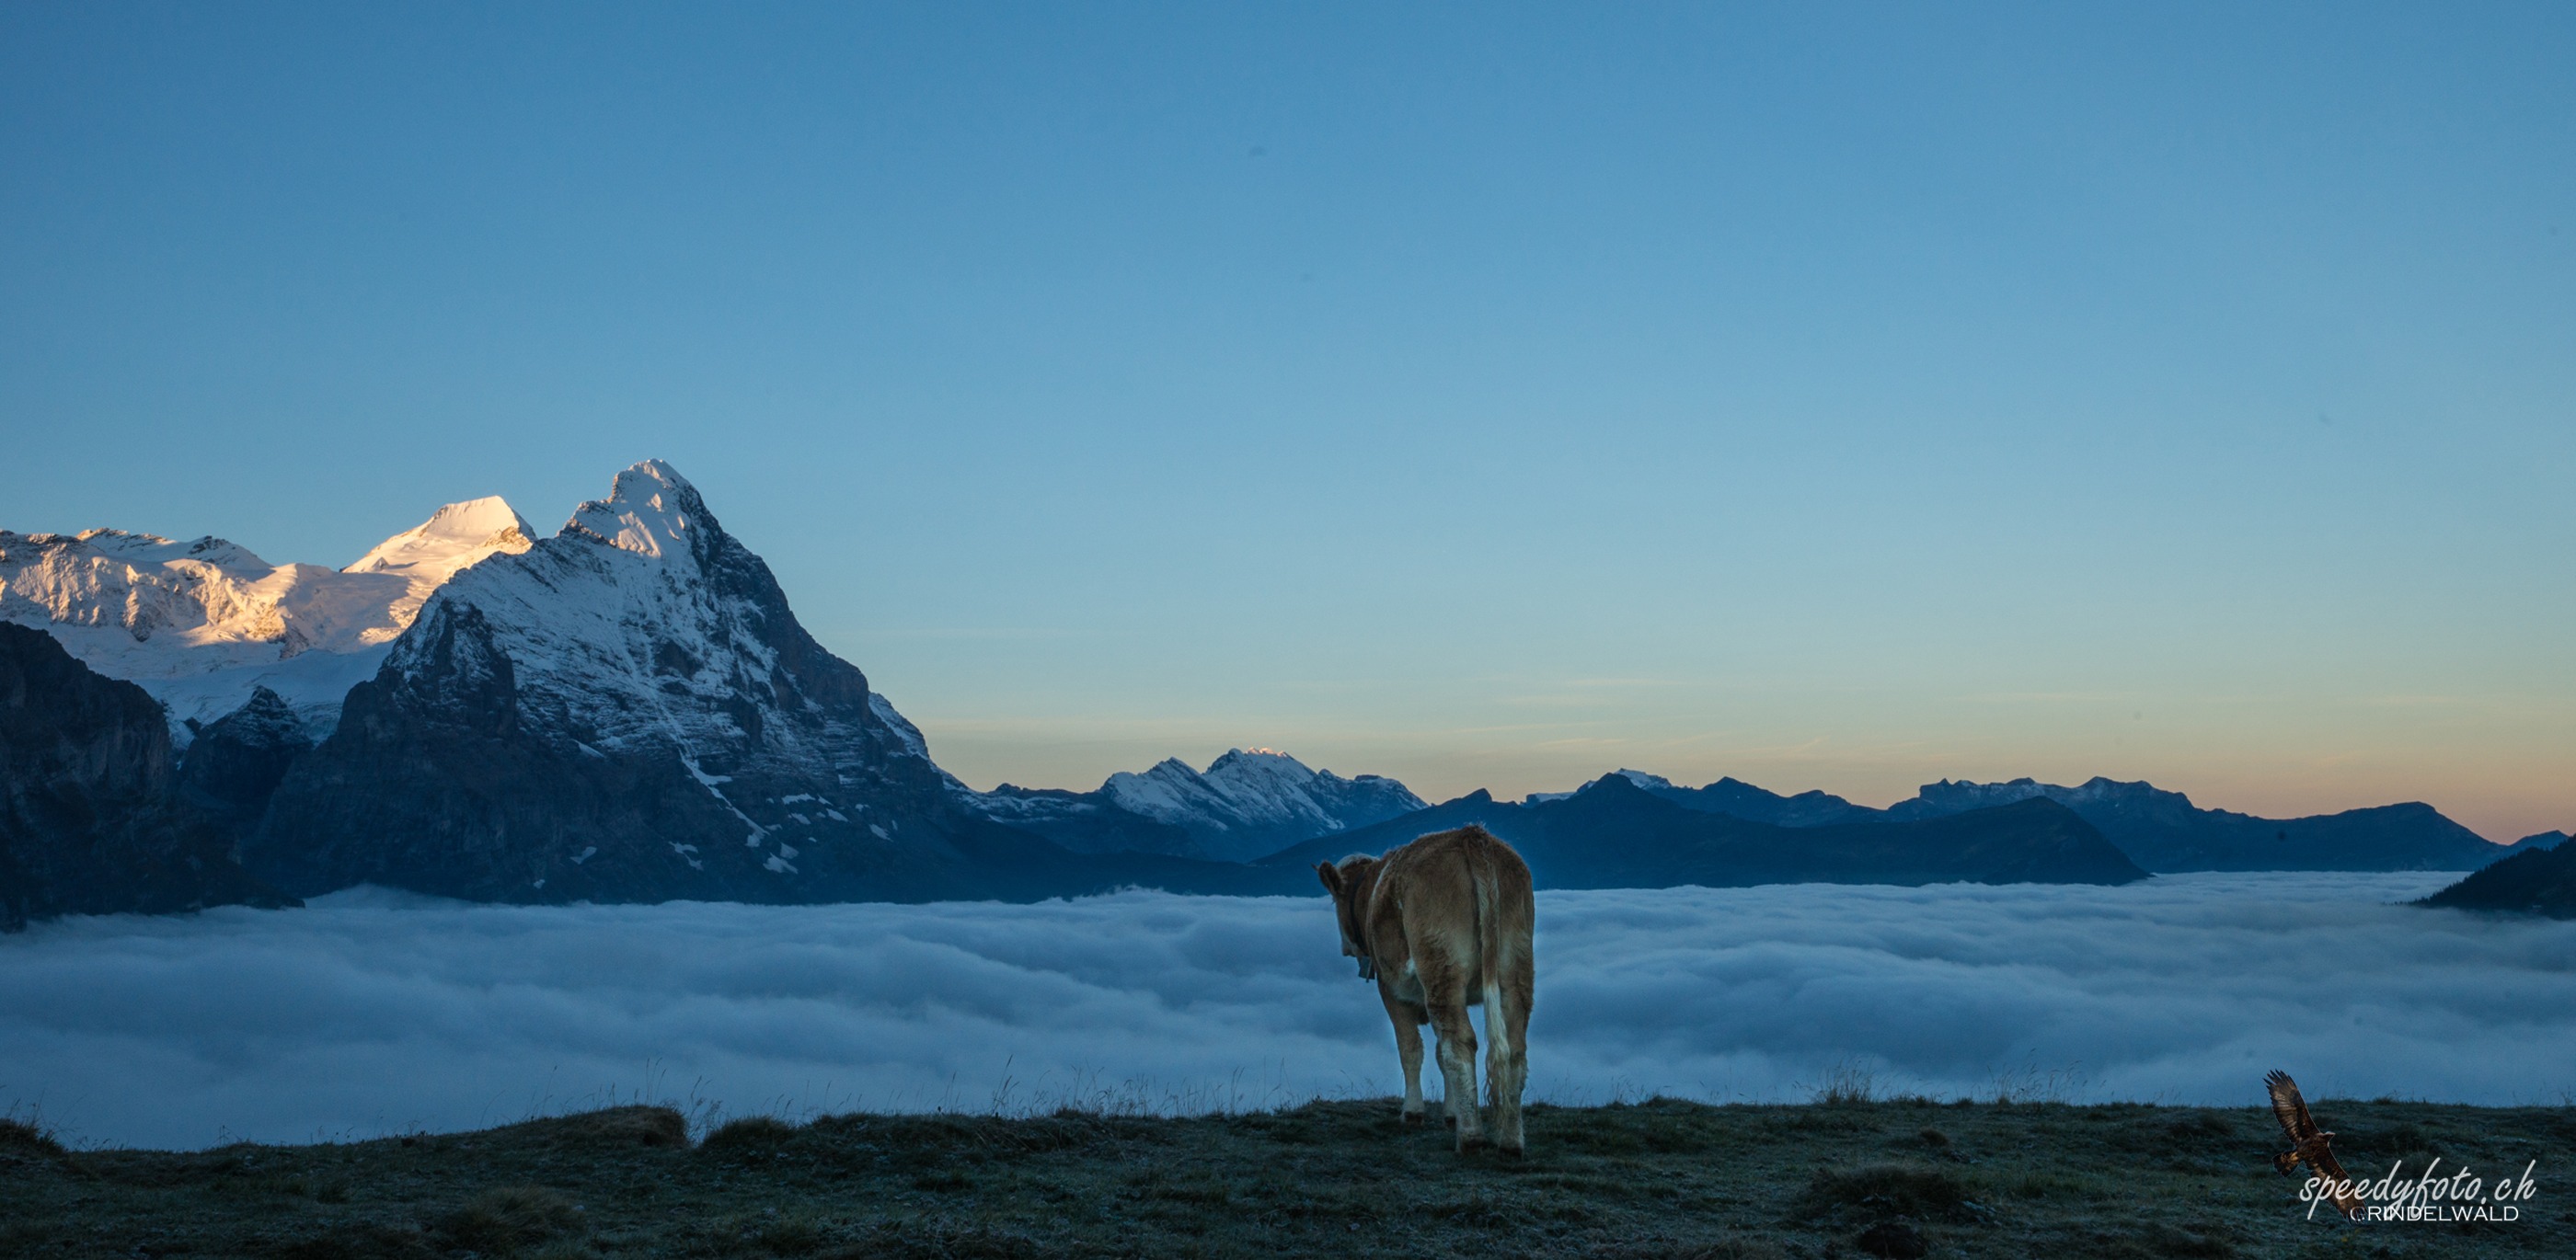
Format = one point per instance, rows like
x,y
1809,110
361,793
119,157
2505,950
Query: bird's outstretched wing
x,y
2346,1199
2289,1108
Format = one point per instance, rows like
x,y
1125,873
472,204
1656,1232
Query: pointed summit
x,y
651,510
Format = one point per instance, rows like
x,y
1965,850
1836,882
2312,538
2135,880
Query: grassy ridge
x,y
1648,1181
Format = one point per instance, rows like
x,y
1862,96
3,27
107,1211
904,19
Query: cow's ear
x,y
1331,875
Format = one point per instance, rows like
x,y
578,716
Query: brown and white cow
x,y
1443,924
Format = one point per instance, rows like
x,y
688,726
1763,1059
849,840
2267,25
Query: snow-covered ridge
x,y
1246,804
1242,789
458,535
202,624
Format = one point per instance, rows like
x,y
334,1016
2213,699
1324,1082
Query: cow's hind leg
x,y
1408,1019
1458,1070
1507,1060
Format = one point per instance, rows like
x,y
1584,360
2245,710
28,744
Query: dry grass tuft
x,y
508,1219
23,1137
762,1134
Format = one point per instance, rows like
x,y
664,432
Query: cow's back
x,y
1462,901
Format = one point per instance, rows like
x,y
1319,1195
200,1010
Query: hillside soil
x,y
1646,1181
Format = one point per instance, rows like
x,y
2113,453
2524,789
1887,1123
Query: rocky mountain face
x,y
2538,880
1614,833
92,819
1247,803
202,625
625,711
234,765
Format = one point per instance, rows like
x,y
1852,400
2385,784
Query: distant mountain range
x,y
629,711
2160,830
1614,834
1245,804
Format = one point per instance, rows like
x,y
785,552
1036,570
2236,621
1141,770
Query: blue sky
x,y
1835,397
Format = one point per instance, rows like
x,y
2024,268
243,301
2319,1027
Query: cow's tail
x,y
1490,942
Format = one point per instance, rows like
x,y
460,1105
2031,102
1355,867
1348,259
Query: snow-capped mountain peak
x,y
651,511
457,535
644,625
616,698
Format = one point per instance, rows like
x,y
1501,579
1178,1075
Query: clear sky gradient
x,y
1832,396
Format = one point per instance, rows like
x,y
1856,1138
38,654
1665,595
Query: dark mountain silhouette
x,y
2534,881
2164,831
1616,834
1739,799
2159,830
91,818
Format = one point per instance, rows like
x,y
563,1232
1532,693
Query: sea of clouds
x,y
373,1012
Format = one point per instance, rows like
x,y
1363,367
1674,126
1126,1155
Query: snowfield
x,y
201,624
373,1011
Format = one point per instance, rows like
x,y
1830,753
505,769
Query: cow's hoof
x,y
1451,1121
1413,1117
1513,1150
1468,1143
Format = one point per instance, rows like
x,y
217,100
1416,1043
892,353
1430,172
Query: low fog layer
x,y
372,1012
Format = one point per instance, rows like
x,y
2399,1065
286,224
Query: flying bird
x,y
2309,1144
